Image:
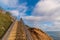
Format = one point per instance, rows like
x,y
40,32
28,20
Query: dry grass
x,y
5,22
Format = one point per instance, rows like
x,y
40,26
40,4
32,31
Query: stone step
x,y
12,35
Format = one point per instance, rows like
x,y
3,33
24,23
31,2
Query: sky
x,y
42,14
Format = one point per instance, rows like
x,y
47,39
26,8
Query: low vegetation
x,y
5,22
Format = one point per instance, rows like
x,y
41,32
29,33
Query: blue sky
x,y
43,14
30,4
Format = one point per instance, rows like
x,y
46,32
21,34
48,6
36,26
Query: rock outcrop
x,y
35,33
38,34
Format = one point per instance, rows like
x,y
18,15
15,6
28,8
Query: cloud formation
x,y
47,11
45,15
14,12
19,11
10,3
50,9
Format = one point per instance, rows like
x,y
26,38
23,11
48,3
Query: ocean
x,y
54,34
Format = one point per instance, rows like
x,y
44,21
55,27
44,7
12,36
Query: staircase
x,y
20,34
12,34
20,31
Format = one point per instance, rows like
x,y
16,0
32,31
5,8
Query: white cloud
x,y
10,3
46,6
35,21
4,1
19,11
45,10
48,10
22,9
14,12
32,18
36,18
13,3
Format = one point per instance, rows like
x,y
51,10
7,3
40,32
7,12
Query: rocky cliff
x,y
35,33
